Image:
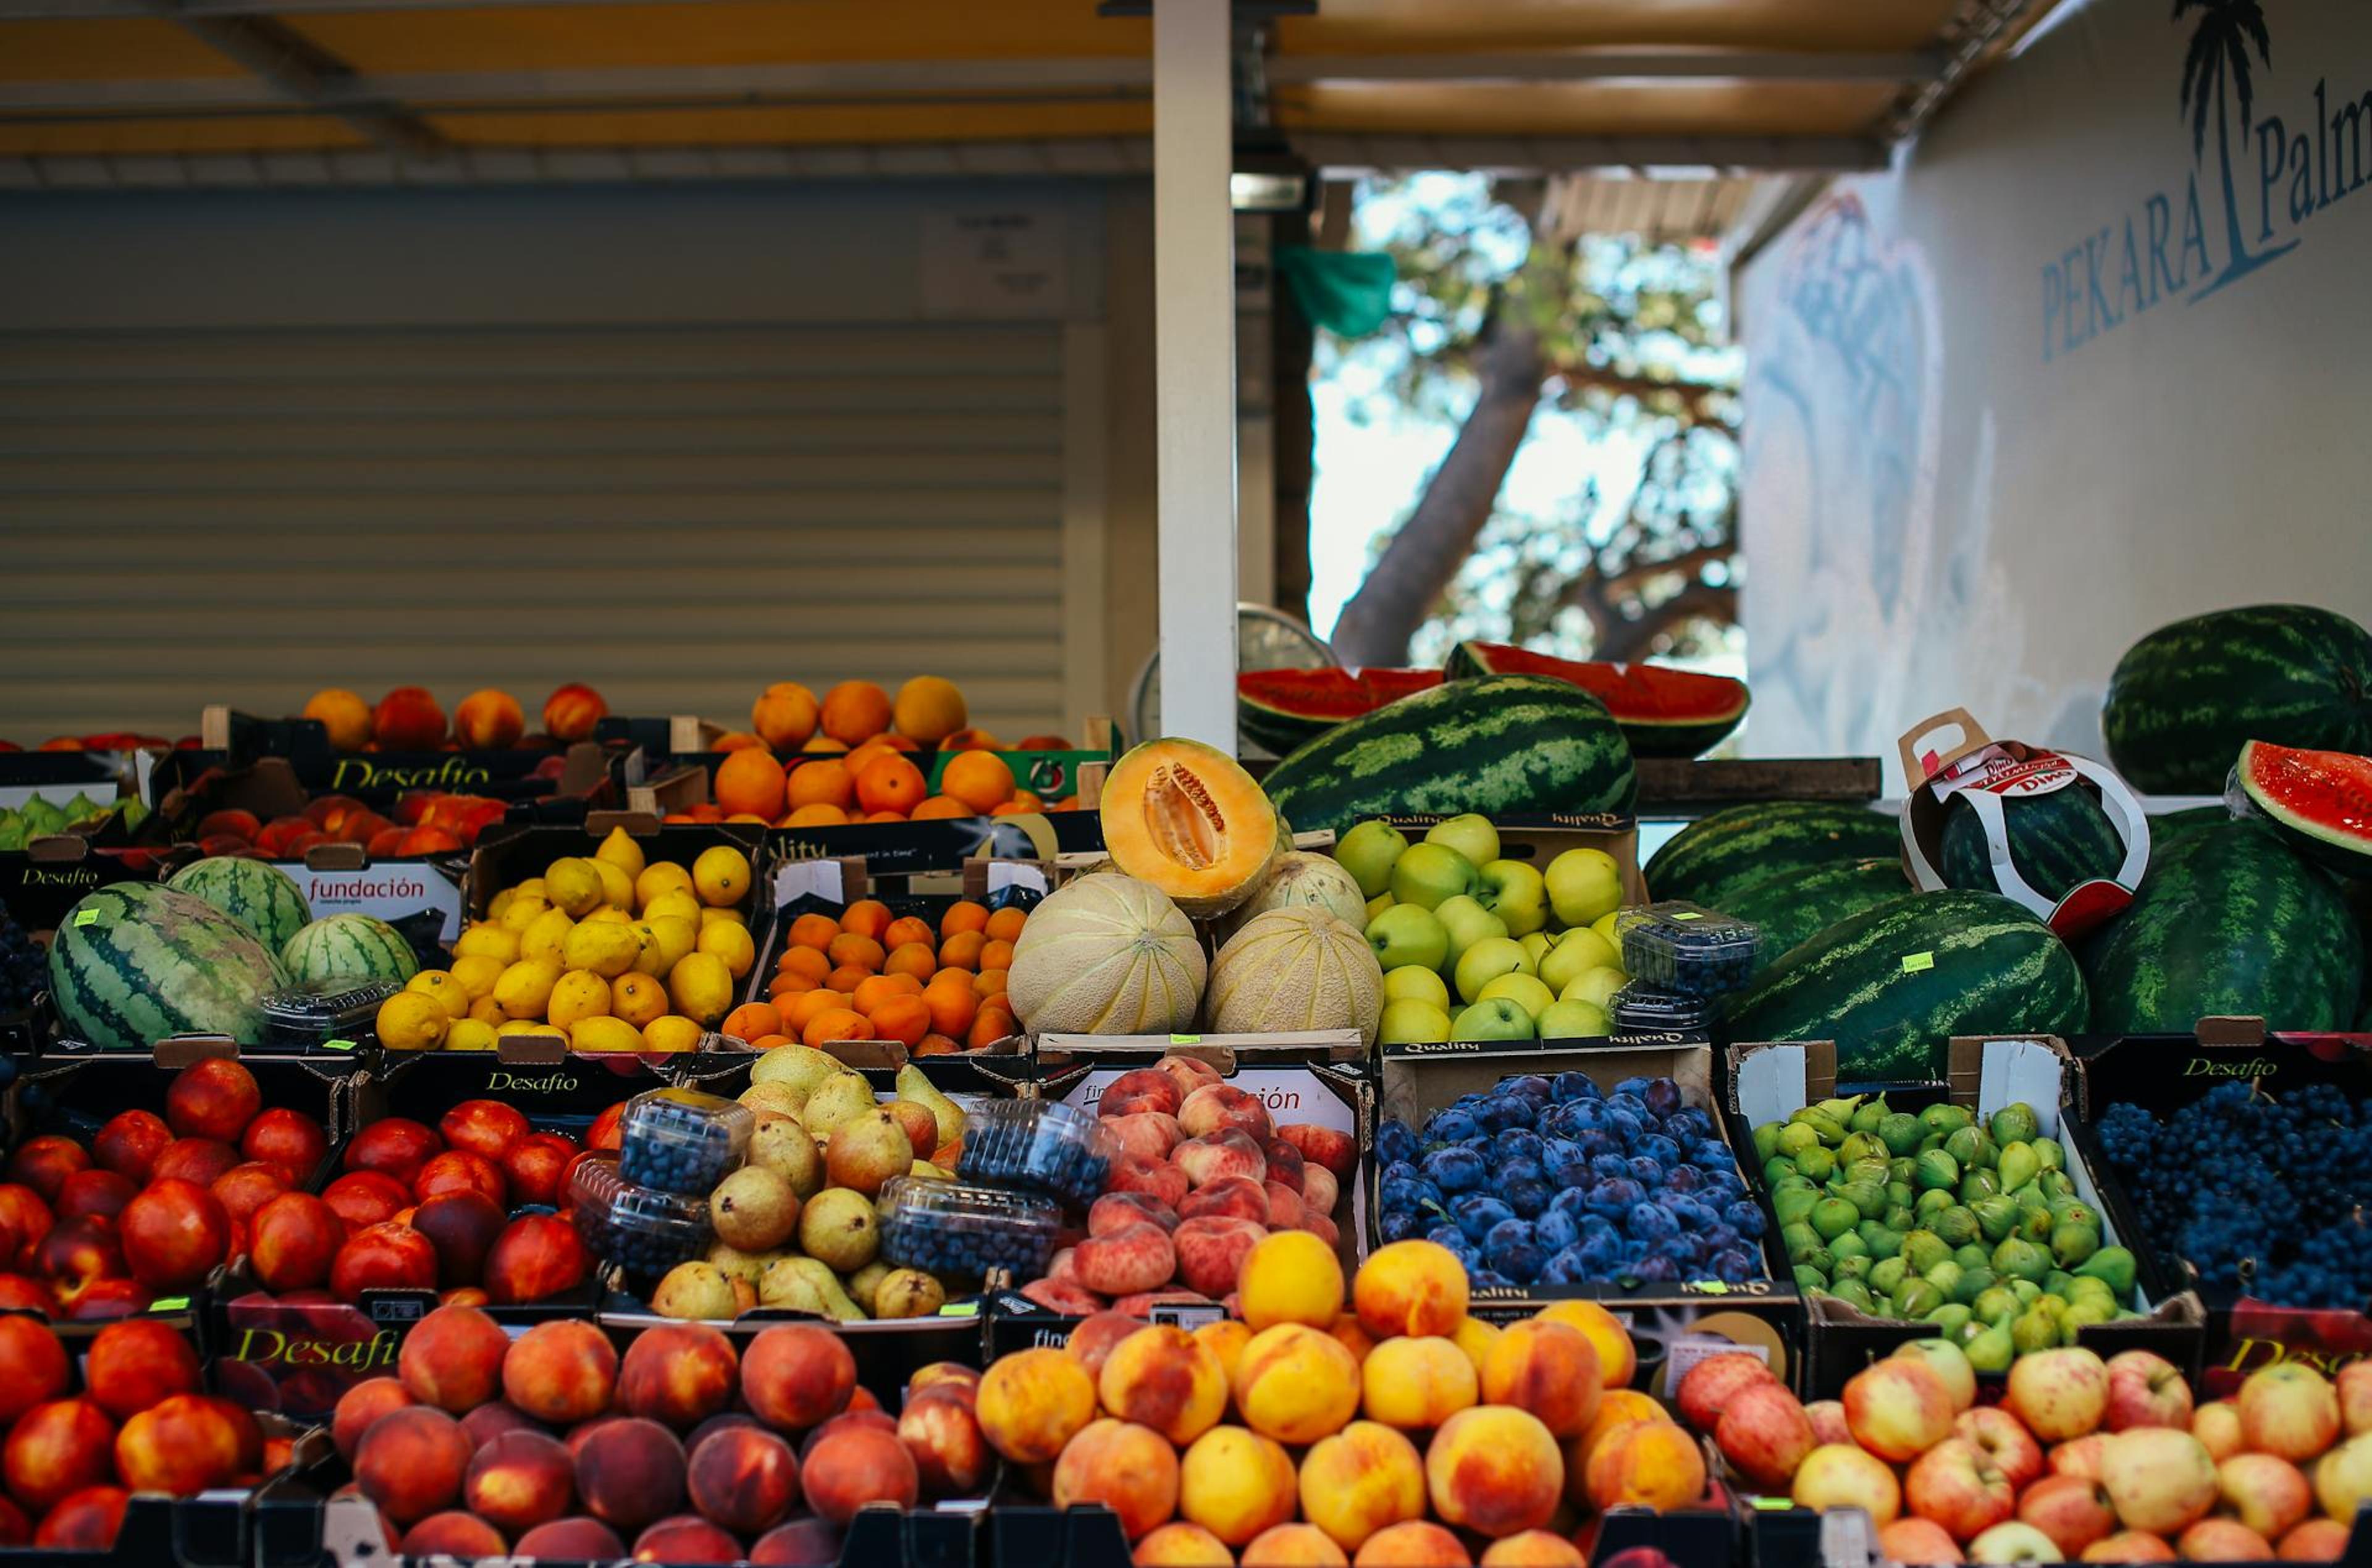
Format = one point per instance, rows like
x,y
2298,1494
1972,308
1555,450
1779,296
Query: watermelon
x,y
1799,904
1511,745
2321,801
2230,920
2186,697
2168,827
1715,856
1280,709
1664,713
349,947
1892,984
256,893
2056,840
135,961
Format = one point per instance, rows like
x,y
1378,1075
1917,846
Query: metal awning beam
x,y
1697,156
1605,65
84,10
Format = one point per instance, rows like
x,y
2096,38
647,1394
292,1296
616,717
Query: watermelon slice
x,y
1280,709
2321,801
1663,713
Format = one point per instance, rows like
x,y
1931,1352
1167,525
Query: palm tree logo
x,y
2219,47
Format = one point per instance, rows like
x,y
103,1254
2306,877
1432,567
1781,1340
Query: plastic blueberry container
x,y
1045,1145
641,1229
682,1140
325,1009
1639,1005
949,1229
1680,947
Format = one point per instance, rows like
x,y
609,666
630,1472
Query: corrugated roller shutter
x,y
679,515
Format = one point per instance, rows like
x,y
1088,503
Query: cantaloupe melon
x,y
1302,880
1107,955
1296,968
1186,818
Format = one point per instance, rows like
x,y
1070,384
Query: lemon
x,y
637,998
604,1033
671,1032
485,941
468,1034
607,949
525,989
721,874
617,883
579,994
621,851
721,917
527,1027
476,975
499,902
610,914
543,939
676,938
675,901
647,956
731,943
412,1020
449,992
701,988
659,876
486,1010
572,884
522,911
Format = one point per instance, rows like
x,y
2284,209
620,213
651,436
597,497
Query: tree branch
x,y
1633,640
1697,397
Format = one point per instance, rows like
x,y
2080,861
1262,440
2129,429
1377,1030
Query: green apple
x,y
1470,835
1413,1022
1367,852
1429,872
1379,904
1406,935
1577,952
1467,922
1524,989
1486,961
1604,926
1536,944
1515,893
1584,885
1496,1019
1574,1020
1595,986
1414,984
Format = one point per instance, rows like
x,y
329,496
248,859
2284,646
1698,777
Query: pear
x,y
913,1086
736,1264
800,1066
909,1293
779,1097
861,1284
782,1286
780,1144
837,1303
836,1101
930,1172
754,1209
840,1229
867,1151
694,1290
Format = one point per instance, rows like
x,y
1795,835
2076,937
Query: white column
x,y
1194,367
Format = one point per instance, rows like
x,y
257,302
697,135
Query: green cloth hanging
x,y
1349,293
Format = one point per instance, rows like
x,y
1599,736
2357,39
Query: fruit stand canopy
x,y
150,92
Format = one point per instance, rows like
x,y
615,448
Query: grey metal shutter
x,y
678,515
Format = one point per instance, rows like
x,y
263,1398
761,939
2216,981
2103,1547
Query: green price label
x,y
85,917
1185,1040
169,1304
961,1309
337,1045
1918,961
1686,914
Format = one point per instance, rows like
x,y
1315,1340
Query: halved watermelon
x,y
1663,713
2321,801
1281,708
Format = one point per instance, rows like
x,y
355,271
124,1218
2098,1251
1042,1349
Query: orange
x,y
933,1045
848,977
961,951
789,985
992,1023
979,779
952,1006
753,817
1022,801
996,956
752,1020
768,1043
784,715
874,990
838,1023
814,931
1043,743
863,757
867,917
1068,803
854,711
1005,924
908,928
803,960
820,783
972,740
989,982
817,816
822,745
902,1018
929,709
897,742
963,915
936,807
750,783
805,1011
891,784
884,817
739,740
913,958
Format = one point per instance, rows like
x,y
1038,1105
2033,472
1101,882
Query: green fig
x,y
1979,1183
1865,1118
1828,1128
1897,1219
2033,1330
1945,1277
1794,1204
1855,1294
1954,1223
2083,1314
1903,1168
1996,1304
1950,1318
2014,1123
1849,1244
2055,1183
1861,1147
1877,1170
1841,1110
1933,1202
2021,1259
2071,1243
1914,1298
1900,1131
1778,1172
1974,1255
1810,1280
1923,1249
1797,1240
1869,1199
2027,1292
1938,1169
1900,1194
2053,1157
1992,1349
1820,1258
1884,1240
1855,1267
1834,1217
1797,1136
2017,1165
1887,1274
1974,1282
1816,1164
1997,1216
2058,1282
1766,1142
2034,1223
1946,1119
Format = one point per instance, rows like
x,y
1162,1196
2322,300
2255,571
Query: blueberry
x,y
1556,1228
1454,1171
1476,1215
1526,1198
1607,1167
1395,1140
1519,1143
1745,1217
1400,1225
1614,1198
1646,1170
1663,1097
1451,1126
1656,1268
1650,1221
1531,1085
1570,1086
1507,1110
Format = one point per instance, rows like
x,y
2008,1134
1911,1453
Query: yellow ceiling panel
x,y
1596,109
1384,27
804,125
730,32
226,135
97,51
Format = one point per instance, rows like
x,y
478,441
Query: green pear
x,y
694,1291
865,1282
780,1144
783,1285
913,1086
909,1293
837,1101
837,1303
800,1066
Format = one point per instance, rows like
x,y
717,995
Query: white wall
x,y
1988,445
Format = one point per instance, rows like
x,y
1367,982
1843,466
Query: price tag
x,y
169,1304
85,917
337,1045
1915,962
1686,914
961,1309
1685,1352
820,877
1185,1040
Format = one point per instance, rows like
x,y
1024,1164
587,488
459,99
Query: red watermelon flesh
x,y
1281,708
1663,713
2321,800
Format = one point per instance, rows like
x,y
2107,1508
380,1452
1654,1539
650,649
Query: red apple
x,y
2002,1437
1916,1541
2073,1511
1763,1431
2013,1542
2058,1393
1956,1484
2355,1384
2289,1410
2218,1424
1836,1475
2269,1495
2222,1540
2081,1456
1898,1409
1707,1386
2159,1480
2145,1389
1828,1419
2129,1546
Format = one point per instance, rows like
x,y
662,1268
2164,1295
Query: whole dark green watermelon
x,y
2056,840
1716,856
2185,697
1797,905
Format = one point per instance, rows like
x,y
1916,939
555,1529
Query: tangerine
x,y
814,931
1005,924
837,1022
854,711
929,709
905,1020
963,915
883,817
824,783
979,779
784,715
891,784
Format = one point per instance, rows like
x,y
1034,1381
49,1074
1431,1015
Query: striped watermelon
x,y
2321,801
1795,906
349,947
2184,698
256,893
1716,856
1664,713
2165,829
1892,984
2230,920
1280,709
1509,745
2056,840
135,961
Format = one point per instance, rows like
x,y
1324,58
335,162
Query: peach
x,y
1134,1258
1497,1470
1189,1073
536,1165
489,1421
452,1534
1410,1287
396,1147
1284,1162
952,1458
213,1099
572,711
182,1445
1415,1543
849,1420
536,1255
102,1195
1357,1339
560,1371
1156,1179
1141,1305
57,1448
288,1140
463,1227
1330,1147
1649,1464
744,1479
411,1462
1165,1379
1227,1338
1217,1107
1235,1483
1230,1196
521,1480
1710,1383
174,1233
686,1539
1618,1359
1415,1383
33,1366
453,1359
128,1142
131,1367
358,1410
1319,1189
1181,1545
1032,1402
578,1537
1295,1384
366,1198
1070,1300
630,1472
200,1161
1128,1469
1294,1545
1531,1549
489,720
940,1371
1363,1478
1284,1212
2317,1540
293,1242
856,1466
794,1376
1227,1152
86,1521
1149,1133
1097,1335
1211,1252
1117,1211
44,1162
678,1374
1143,1089
802,1543
387,1256
1546,1369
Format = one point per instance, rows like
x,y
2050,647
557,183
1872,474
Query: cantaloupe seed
x,y
1185,822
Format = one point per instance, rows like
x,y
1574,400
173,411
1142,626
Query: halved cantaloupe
x,y
1107,954
1296,968
1186,818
